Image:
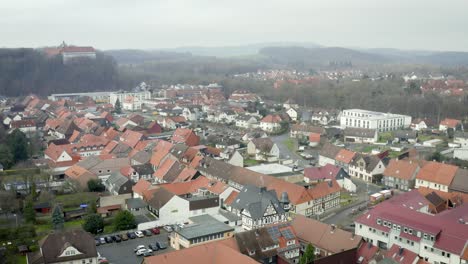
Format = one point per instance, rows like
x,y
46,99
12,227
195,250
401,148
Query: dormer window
x,y
410,231
252,252
379,222
405,230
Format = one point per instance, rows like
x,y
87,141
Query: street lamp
x,y
16,217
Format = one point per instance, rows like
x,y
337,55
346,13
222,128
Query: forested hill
x,y
25,71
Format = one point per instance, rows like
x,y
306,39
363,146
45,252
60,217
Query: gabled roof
x,y
345,156
329,150
326,172
401,169
159,198
460,181
263,144
436,172
256,200
324,236
359,132
272,119
131,138
452,123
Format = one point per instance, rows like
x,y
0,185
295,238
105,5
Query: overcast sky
x,y
152,24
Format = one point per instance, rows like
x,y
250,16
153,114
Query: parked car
x,y
142,251
168,228
139,234
102,240
97,241
124,237
156,231
109,239
131,235
161,245
139,247
148,253
153,247
147,232
118,239
113,238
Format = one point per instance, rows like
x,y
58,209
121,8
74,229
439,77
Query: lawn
x,y
21,260
74,224
74,200
385,137
290,144
250,162
367,148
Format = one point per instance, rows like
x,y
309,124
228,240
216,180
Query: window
x,y
379,221
405,230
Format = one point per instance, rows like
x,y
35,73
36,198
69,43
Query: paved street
x,y
122,253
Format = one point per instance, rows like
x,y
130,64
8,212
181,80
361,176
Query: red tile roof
x,y
141,186
437,172
271,119
326,172
131,138
186,136
314,137
401,169
452,123
345,156
323,189
73,49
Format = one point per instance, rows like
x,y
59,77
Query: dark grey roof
x,y
203,202
254,241
409,134
142,157
134,203
117,179
215,168
460,181
370,161
54,244
263,144
203,225
359,132
329,151
160,198
144,169
256,200
434,199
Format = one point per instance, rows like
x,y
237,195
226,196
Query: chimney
x,y
400,251
352,236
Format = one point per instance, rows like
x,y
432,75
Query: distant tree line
x,y
25,71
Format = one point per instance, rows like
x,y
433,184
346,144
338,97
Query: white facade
x,y
431,185
373,120
361,173
461,153
177,210
463,142
272,155
131,104
270,127
144,95
250,123
292,113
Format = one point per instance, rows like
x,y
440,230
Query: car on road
x,y
161,244
156,231
139,234
153,247
124,237
147,232
139,247
142,251
168,228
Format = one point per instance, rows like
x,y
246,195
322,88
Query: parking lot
x,y
122,253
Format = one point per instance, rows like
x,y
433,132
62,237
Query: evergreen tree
x,y
117,107
92,209
57,218
308,256
93,224
124,220
18,144
6,158
28,211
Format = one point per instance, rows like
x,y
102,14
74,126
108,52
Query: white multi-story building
x,y
404,221
373,120
121,96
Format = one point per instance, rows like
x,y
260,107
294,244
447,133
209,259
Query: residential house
x,y
326,239
367,167
436,175
201,229
185,136
271,123
246,121
343,158
328,154
360,135
232,156
73,246
293,113
259,207
109,205
314,139
171,208
454,124
173,122
26,125
117,184
263,149
304,131
191,113
401,174
328,173
408,136
271,244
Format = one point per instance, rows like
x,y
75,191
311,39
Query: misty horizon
x,y
156,25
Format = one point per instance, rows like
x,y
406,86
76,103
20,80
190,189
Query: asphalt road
x,y
285,153
123,252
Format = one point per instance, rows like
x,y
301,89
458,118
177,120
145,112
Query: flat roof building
x,y
359,118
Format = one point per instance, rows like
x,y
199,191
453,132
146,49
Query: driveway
x,y
285,153
122,253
